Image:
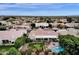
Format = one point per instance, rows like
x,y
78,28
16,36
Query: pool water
x,y
57,49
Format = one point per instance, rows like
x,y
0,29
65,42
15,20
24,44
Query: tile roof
x,y
11,34
43,32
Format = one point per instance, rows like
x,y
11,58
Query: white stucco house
x,y
41,24
9,36
43,34
71,25
69,31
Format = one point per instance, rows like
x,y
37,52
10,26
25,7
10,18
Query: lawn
x,y
4,48
36,46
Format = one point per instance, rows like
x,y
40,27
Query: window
x,y
5,41
45,39
12,42
55,40
38,39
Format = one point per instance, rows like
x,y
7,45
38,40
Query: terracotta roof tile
x,y
43,32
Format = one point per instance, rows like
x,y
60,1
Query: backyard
x,y
4,49
36,46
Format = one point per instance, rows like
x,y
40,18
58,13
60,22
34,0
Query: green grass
x,y
4,48
36,46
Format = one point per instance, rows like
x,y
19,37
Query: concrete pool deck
x,y
52,44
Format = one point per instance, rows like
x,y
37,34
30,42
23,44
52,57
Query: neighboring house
x,y
70,31
73,31
41,24
63,20
3,22
62,31
9,36
21,27
54,24
71,25
6,23
43,34
17,22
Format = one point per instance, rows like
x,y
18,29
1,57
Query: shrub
x,y
20,41
29,52
33,25
70,44
13,51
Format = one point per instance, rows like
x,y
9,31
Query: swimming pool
x,y
57,49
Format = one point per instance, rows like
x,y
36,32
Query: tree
x,y
70,44
69,19
5,18
33,25
27,40
48,21
29,52
2,27
50,26
60,26
41,18
0,23
46,52
13,51
20,41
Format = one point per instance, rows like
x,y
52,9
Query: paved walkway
x,y
24,47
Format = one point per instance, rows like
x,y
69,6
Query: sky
x,y
39,9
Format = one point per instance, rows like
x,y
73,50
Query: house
x,y
43,34
54,24
20,27
63,32
17,22
73,31
9,36
63,20
8,24
69,31
41,24
71,25
3,22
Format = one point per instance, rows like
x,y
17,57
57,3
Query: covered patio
x,y
47,39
